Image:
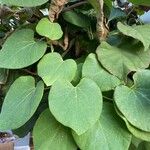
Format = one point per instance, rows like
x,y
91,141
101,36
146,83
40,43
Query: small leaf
x,y
76,107
134,103
24,3
77,19
52,67
20,50
51,135
140,32
93,70
49,29
121,60
116,13
109,133
20,103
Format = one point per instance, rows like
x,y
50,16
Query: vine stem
x,y
74,6
29,72
102,30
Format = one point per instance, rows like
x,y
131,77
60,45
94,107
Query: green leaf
x,y
116,13
76,107
140,32
144,146
93,70
51,135
20,50
134,103
121,60
77,19
52,67
109,133
3,75
78,75
49,29
95,4
141,2
24,3
135,131
20,103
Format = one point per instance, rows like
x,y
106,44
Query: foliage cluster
x,y
76,73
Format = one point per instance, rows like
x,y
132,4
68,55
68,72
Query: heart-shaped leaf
x,y
134,103
109,133
76,107
93,70
52,67
49,29
140,32
24,3
135,131
120,61
20,103
53,136
20,50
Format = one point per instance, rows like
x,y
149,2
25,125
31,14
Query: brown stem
x,y
101,26
29,72
74,6
55,8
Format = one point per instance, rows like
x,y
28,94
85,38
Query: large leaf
x,y
93,70
141,2
49,29
127,57
135,131
76,107
140,32
51,135
24,3
109,133
52,67
20,103
134,103
20,50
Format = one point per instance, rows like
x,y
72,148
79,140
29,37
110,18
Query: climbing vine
x,y
76,73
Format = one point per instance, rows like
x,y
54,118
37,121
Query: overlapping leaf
x,y
134,103
140,32
76,107
49,134
20,50
20,103
52,67
109,133
135,131
24,3
93,70
121,60
49,29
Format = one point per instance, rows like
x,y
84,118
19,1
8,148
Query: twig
x,y
74,6
29,72
108,98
